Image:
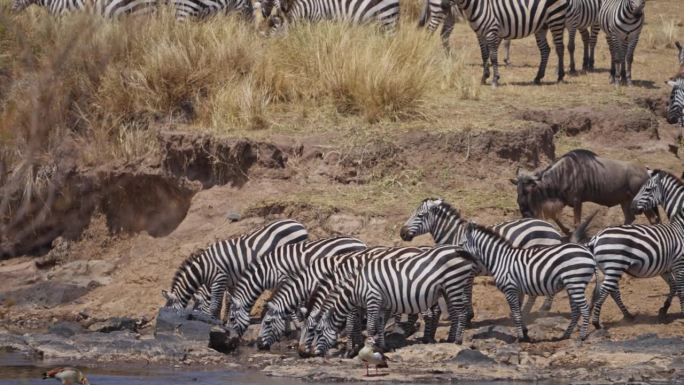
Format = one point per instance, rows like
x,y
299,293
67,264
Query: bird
x,y
372,355
68,376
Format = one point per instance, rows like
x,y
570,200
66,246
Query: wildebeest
x,y
580,176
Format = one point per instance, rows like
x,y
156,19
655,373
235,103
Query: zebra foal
x,y
536,271
621,21
220,266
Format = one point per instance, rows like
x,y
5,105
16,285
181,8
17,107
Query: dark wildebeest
x,y
580,176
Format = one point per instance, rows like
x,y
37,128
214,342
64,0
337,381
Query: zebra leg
x,y
585,44
578,304
631,47
218,289
493,42
612,46
431,318
411,328
548,302
557,35
468,298
598,303
574,317
457,316
592,45
373,313
544,50
436,15
353,329
679,284
618,300
527,308
513,298
572,31
507,52
484,51
668,277
448,28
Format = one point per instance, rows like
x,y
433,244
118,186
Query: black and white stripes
x,y
621,21
112,9
535,271
221,265
675,109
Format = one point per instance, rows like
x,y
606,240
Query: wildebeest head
x,y
529,199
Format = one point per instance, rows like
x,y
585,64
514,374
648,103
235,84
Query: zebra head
x,y
675,112
173,300
308,332
20,5
650,195
325,336
636,7
272,327
238,317
424,219
202,299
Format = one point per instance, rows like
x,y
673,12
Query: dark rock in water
x,y
66,329
114,324
175,322
221,340
395,341
472,357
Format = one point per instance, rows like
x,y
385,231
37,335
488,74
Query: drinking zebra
x,y
275,267
221,265
112,9
444,223
410,285
543,270
621,21
675,109
494,20
280,12
643,251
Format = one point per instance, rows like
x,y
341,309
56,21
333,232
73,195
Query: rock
x,y
115,324
508,354
173,322
234,216
221,340
46,294
496,332
66,329
601,334
470,357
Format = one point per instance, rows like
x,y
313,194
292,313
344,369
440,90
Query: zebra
x,y
221,265
621,21
494,20
113,9
409,285
675,109
643,251
543,270
313,286
386,12
444,223
275,267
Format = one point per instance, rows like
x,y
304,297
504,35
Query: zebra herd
x,y
329,285
491,20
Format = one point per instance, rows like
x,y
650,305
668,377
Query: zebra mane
x,y
490,231
446,206
663,173
194,256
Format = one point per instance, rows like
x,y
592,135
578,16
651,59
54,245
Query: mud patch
x,y
656,104
216,161
531,145
609,124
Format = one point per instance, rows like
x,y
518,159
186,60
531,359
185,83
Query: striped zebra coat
x,y
675,108
621,21
444,223
409,285
641,251
221,265
112,9
536,271
275,267
280,12
496,20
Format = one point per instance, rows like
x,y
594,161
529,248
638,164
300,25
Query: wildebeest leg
x,y
627,211
662,313
577,208
561,226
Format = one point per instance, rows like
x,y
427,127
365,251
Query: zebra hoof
x,y
597,325
428,340
537,81
573,72
662,315
629,317
524,338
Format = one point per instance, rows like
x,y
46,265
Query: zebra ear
x,y
166,295
671,83
514,181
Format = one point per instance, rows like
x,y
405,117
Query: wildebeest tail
x,y
580,233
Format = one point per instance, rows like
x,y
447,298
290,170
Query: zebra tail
x,y
580,233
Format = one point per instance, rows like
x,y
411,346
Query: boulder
x,y
66,329
180,323
221,340
115,324
469,357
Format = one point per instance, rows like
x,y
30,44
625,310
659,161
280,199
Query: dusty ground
x,y
346,176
